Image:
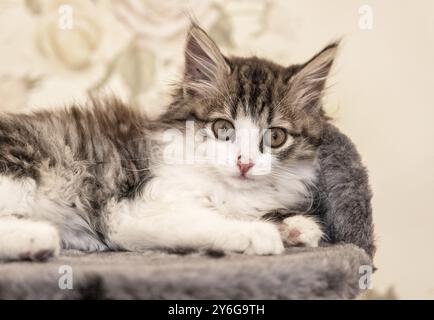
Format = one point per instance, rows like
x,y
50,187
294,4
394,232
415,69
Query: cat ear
x,y
205,65
307,85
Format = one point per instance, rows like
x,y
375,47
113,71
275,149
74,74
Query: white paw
x,y
255,238
301,230
28,240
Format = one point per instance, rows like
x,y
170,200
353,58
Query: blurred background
x,y
381,95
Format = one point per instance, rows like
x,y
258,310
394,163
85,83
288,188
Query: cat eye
x,y
223,129
275,137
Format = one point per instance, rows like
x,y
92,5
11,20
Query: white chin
x,y
241,182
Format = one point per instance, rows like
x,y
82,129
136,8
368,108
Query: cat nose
x,y
244,167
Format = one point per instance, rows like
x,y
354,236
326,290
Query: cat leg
x,y
23,239
301,230
141,226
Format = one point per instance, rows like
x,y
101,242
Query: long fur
x,y
99,177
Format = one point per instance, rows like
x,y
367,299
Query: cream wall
x,y
382,93
383,100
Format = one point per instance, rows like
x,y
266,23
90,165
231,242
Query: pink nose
x,y
244,167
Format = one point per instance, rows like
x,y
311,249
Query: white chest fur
x,y
185,184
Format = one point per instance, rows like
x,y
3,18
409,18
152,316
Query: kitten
x,y
227,167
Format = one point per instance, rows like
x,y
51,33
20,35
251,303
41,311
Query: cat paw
x,y
28,240
300,230
256,238
40,256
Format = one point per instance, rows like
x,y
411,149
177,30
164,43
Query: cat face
x,y
258,120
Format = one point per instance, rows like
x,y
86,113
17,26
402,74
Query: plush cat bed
x,y
331,271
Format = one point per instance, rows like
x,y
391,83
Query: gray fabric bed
x,y
330,272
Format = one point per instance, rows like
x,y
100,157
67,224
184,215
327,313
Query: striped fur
x,y
92,171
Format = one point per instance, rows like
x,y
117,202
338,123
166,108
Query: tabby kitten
x,y
225,168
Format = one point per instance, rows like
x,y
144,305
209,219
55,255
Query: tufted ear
x,y
205,65
307,85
